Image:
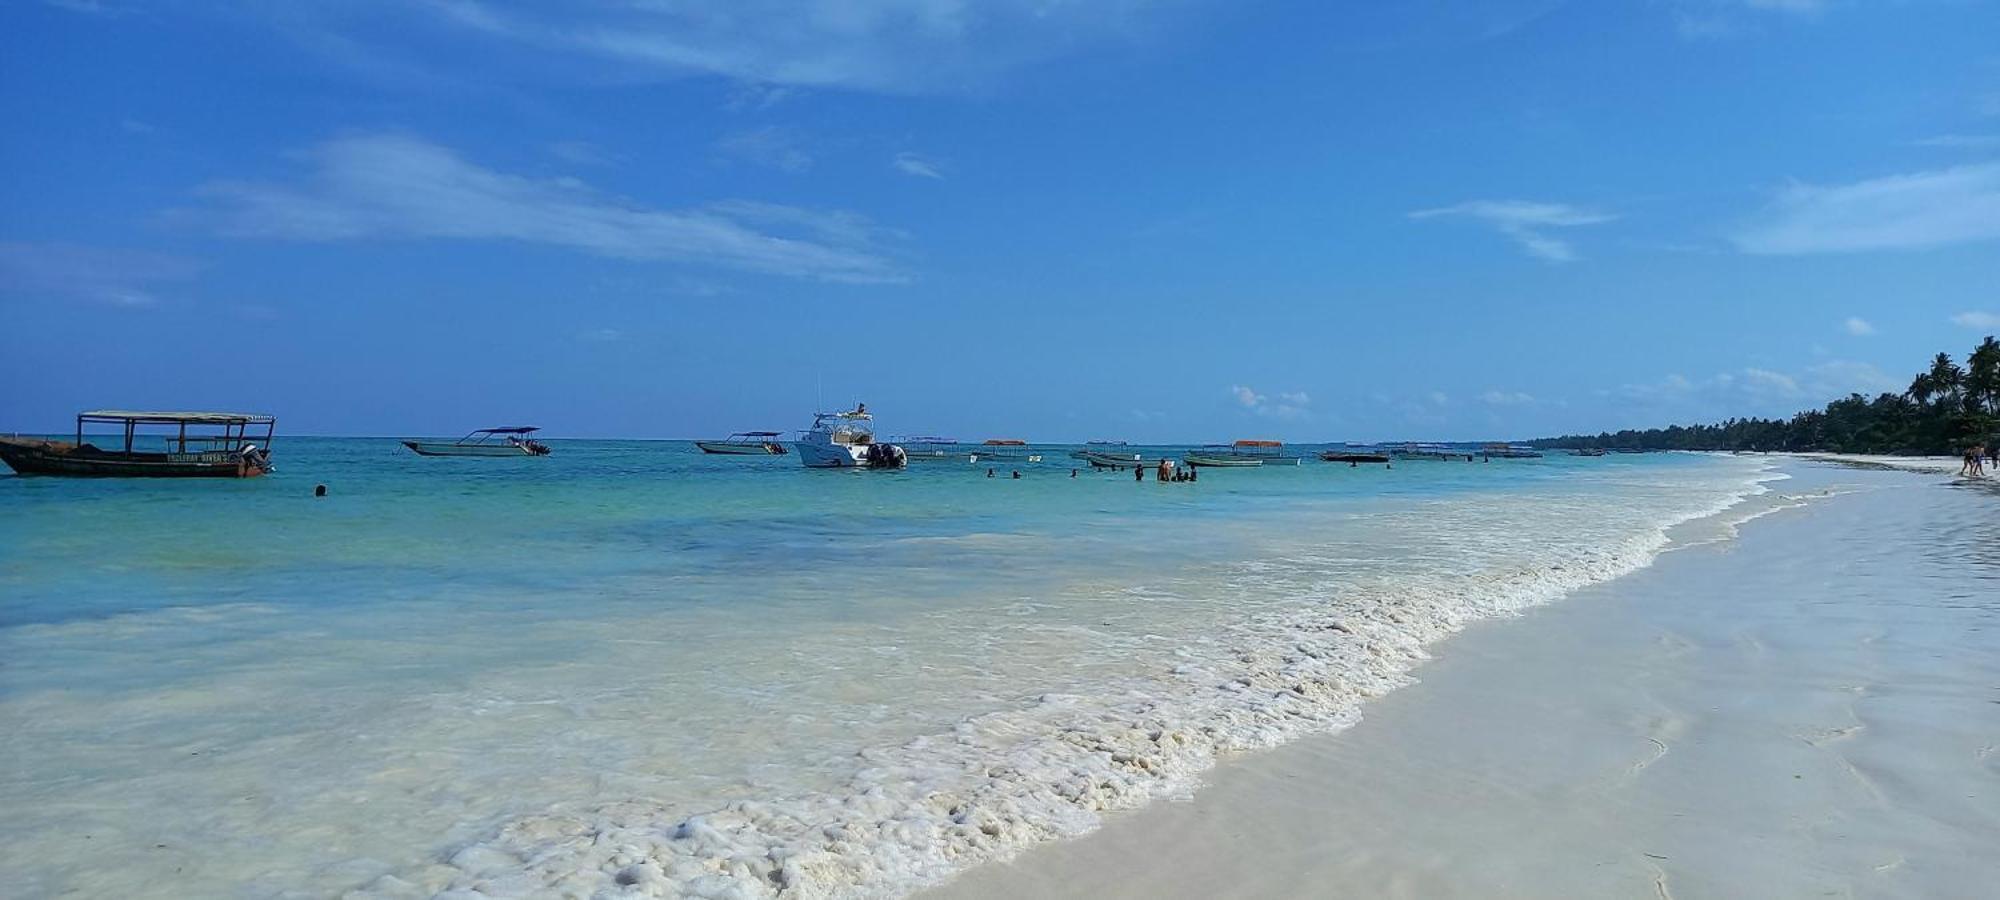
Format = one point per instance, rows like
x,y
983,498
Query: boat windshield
x,y
846,427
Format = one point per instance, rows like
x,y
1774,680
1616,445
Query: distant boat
x,y
1104,459
1004,449
1353,456
1422,451
1587,451
230,454
846,440
1508,451
930,448
1243,454
512,440
745,443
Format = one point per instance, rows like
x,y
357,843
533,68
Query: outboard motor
x,y
252,458
886,456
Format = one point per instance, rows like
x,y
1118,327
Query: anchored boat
x,y
1005,450
746,443
510,441
930,448
1353,456
846,440
1242,455
202,454
1105,459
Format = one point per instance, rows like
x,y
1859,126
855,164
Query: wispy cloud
x,y
1859,327
1506,398
1757,390
1922,209
1527,223
920,166
393,186
1961,141
771,146
584,153
1288,405
903,46
1708,19
1976,319
76,272
600,335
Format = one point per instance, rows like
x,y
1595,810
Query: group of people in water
x,y
1166,471
1976,457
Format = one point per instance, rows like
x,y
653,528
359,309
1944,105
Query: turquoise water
x,y
441,674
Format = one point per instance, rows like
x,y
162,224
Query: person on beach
x,y
1965,461
1138,473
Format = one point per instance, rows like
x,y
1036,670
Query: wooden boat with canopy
x,y
513,440
746,443
154,445
1243,454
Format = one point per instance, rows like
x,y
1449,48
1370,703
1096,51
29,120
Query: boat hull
x,y
1119,460
442,448
1331,456
725,448
1224,462
86,461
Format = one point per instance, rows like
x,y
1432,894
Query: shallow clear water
x,y
524,676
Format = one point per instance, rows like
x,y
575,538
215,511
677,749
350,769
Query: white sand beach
x,y
1810,709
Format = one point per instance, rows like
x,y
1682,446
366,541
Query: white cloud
x,y
390,186
1961,141
902,46
1438,398
1859,327
1921,209
1289,405
1756,391
116,277
770,146
584,153
1703,19
1976,319
922,167
1506,398
1525,222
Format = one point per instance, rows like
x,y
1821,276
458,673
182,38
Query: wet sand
x,y
1810,709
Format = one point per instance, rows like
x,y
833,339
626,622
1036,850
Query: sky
x,y
1146,220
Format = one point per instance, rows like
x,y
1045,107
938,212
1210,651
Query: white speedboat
x,y
846,440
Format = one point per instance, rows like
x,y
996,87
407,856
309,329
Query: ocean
x,y
633,668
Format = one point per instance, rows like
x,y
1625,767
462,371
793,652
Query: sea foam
x,y
914,814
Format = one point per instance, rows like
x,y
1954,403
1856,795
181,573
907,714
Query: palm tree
x,y
1946,377
1921,389
1982,380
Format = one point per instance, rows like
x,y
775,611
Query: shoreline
x,y
1696,726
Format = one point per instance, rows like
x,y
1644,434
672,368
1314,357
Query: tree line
x,y
1947,408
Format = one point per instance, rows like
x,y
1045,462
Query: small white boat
x,y
510,441
746,443
846,440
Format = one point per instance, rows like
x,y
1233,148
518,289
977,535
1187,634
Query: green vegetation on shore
x,y
1946,408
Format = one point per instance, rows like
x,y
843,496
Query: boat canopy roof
x,y
155,417
511,429
756,434
1006,442
1247,443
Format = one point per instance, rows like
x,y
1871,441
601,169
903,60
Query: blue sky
x,y
1173,220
